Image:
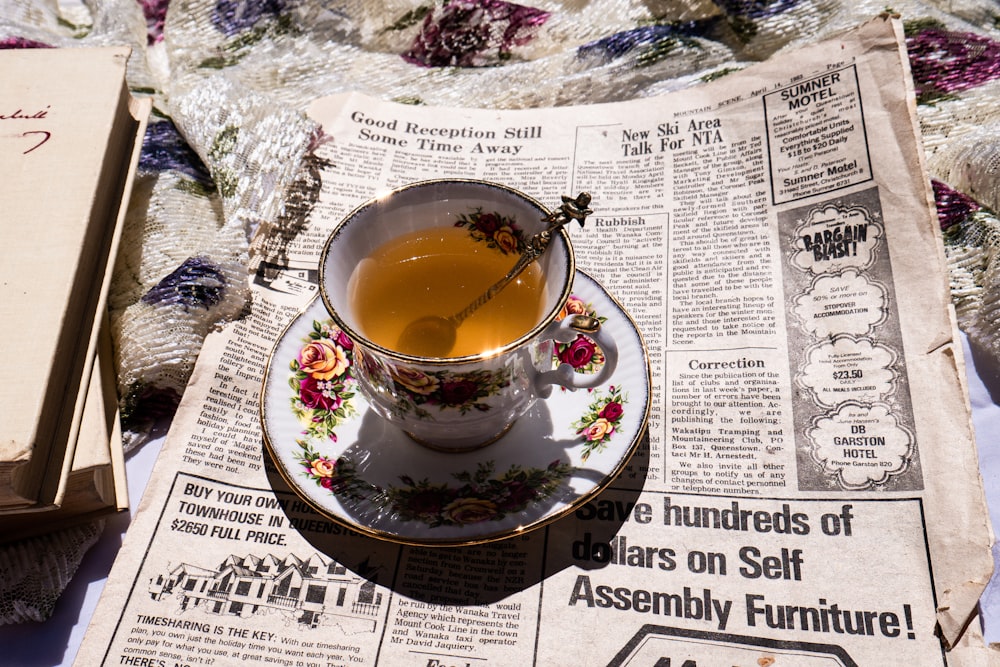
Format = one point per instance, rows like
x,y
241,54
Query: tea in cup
x,y
437,271
427,252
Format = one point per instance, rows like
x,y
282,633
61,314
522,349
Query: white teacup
x,y
459,403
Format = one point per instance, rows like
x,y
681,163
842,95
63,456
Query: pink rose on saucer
x,y
599,430
319,394
579,353
612,411
470,510
323,359
322,467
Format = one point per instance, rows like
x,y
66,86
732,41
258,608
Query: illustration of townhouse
x,y
308,589
194,581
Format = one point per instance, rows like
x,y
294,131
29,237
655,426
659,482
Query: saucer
x,y
366,474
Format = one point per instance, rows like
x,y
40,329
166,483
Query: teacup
x,y
459,403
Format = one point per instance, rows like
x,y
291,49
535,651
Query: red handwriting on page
x,y
43,139
37,137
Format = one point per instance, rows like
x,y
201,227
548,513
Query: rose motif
x,y
415,390
488,223
498,231
414,380
318,394
518,495
505,239
323,359
322,381
368,363
612,411
599,429
470,510
480,496
427,503
579,353
322,467
343,341
574,306
458,392
601,420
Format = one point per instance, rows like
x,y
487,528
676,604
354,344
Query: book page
x,y
807,491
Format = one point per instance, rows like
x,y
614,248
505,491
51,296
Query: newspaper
x,y
807,491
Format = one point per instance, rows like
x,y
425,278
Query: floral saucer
x,y
356,469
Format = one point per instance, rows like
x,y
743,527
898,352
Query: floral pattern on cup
x,y
419,390
497,231
322,380
582,354
602,420
479,496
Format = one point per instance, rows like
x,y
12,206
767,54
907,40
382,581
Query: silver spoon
x,y
434,336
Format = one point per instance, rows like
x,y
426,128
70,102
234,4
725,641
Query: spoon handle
x,y
525,260
571,209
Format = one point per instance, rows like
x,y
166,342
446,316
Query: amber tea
x,y
439,271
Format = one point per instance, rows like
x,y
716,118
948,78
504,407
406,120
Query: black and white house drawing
x,y
308,590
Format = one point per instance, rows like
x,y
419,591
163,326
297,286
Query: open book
x,y
71,135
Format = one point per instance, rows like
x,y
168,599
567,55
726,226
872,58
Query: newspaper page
x,y
807,491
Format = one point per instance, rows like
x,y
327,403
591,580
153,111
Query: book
x,y
96,483
71,132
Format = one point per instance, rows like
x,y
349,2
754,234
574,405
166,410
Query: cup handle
x,y
566,331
